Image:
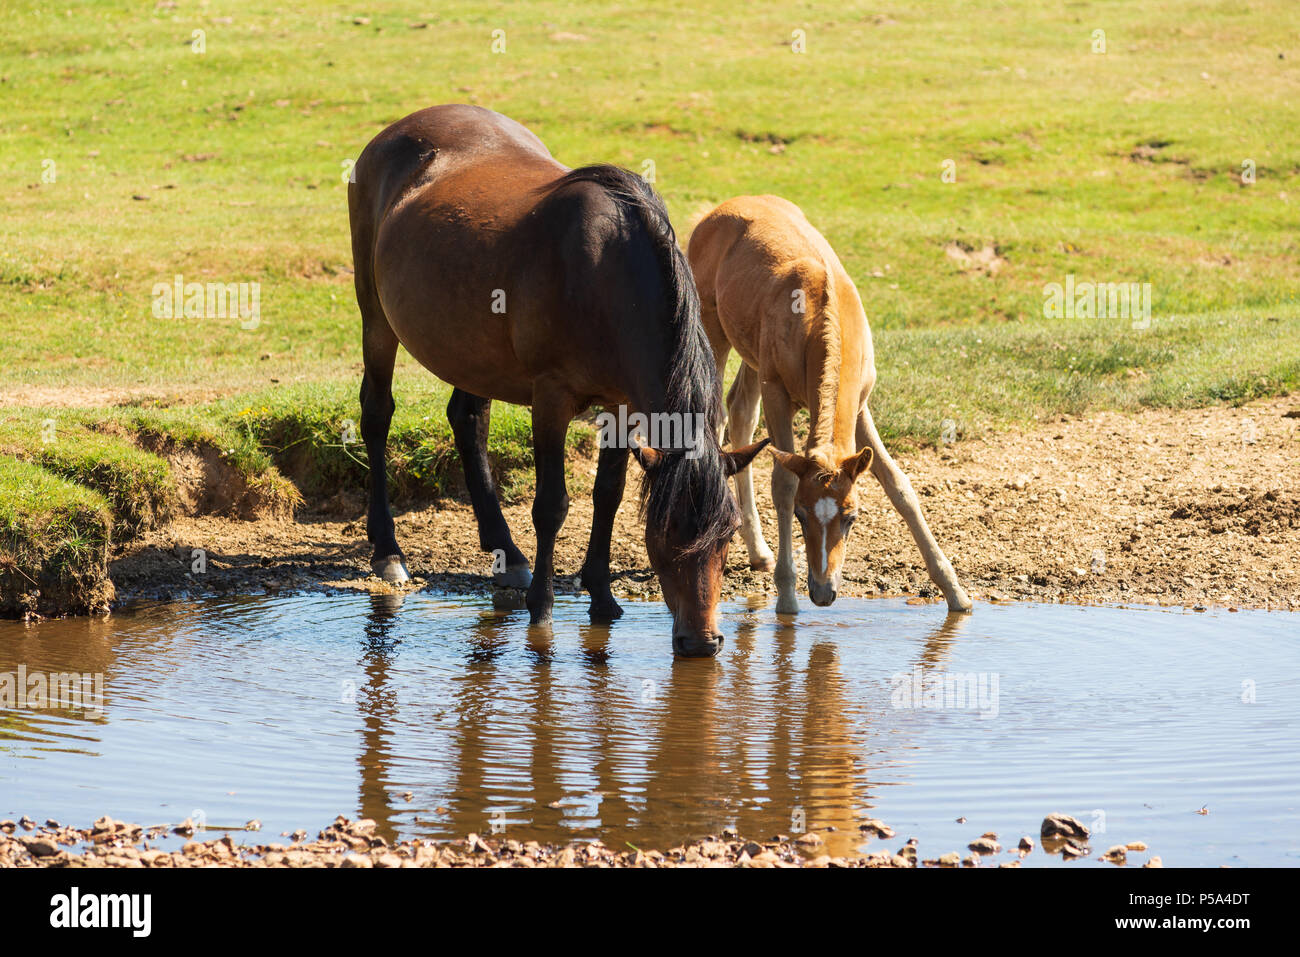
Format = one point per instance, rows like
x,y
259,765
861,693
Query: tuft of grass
x,y
137,484
54,541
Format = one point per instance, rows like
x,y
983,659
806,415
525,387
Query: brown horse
x,y
771,287
513,278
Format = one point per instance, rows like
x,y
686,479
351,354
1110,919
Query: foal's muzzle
x,y
822,593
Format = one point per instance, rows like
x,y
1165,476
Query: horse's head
x,y
826,503
688,534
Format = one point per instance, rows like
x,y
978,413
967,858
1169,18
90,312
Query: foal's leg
x,y
470,417
720,355
899,489
552,411
780,426
379,351
611,475
742,418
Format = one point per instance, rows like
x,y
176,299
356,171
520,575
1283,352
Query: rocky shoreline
x,y
354,844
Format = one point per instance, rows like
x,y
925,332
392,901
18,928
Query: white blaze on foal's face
x,y
825,511
826,504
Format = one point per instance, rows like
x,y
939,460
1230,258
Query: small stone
x,y
1116,855
983,845
40,846
357,860
1135,846
1062,825
1154,862
1026,844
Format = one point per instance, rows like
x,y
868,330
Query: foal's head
x,y
826,504
691,516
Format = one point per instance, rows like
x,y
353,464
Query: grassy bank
x,y
960,157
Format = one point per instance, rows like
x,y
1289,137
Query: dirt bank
x,y
345,843
1195,508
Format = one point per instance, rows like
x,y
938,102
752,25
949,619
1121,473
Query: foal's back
x,y
768,283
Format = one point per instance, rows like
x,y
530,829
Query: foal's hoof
x,y
391,568
515,576
787,605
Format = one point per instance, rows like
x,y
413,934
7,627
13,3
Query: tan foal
x,y
772,288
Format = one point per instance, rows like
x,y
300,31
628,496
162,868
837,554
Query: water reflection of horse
x,y
515,279
771,742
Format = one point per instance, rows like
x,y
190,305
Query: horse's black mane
x,y
680,485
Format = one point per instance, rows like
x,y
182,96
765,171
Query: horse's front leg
x,y
611,475
380,351
470,417
553,409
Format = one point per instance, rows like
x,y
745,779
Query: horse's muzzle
x,y
697,646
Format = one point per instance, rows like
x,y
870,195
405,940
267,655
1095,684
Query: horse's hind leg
x,y
899,490
611,475
470,416
742,419
379,348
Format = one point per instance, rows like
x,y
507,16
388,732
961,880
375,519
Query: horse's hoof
x,y
391,568
959,600
515,576
787,606
508,599
762,564
606,610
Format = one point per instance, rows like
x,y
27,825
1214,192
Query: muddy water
x,y
438,716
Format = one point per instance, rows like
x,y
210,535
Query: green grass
x,y
989,377
238,154
229,166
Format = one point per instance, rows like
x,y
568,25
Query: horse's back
x,y
421,150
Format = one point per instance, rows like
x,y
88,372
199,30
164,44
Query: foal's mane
x,y
679,485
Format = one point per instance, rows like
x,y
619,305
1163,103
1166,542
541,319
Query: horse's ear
x,y
792,462
738,461
649,459
855,465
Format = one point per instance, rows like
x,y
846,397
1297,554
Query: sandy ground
x,y
346,843
1195,508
